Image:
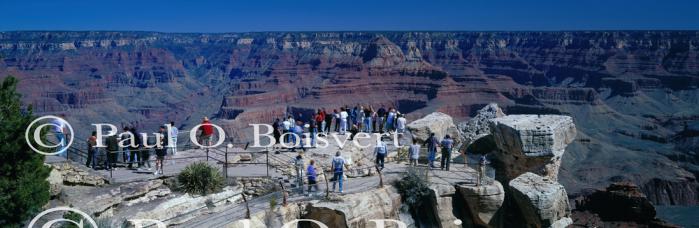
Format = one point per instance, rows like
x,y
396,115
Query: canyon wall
x,y
632,94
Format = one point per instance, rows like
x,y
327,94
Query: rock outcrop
x,y
531,143
483,203
67,173
355,210
478,126
620,204
438,123
541,201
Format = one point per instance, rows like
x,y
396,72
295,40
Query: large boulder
x,y
541,201
438,123
355,210
531,143
478,127
483,202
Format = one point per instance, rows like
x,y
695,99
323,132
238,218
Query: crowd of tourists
x,y
346,120
135,153
341,121
131,149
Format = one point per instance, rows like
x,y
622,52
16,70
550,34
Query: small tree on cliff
x,y
23,186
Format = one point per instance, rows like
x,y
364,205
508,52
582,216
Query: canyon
x,y
633,95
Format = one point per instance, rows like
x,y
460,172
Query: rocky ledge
x,y
620,204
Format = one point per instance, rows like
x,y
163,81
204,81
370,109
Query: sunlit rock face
x,y
541,201
632,93
438,123
531,143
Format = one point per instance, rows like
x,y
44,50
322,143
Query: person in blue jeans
x,y
337,167
380,151
59,129
432,143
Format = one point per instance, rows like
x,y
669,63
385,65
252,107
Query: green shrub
x,y
201,178
413,188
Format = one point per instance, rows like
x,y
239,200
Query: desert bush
x,y
200,178
413,189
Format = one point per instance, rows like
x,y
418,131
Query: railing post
x,y
267,162
225,165
207,154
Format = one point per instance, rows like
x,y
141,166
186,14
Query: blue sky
x,y
330,15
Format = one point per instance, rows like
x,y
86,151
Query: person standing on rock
x,y
338,165
414,152
431,149
447,144
380,150
298,164
312,177
482,164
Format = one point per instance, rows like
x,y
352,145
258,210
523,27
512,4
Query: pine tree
x,y
23,186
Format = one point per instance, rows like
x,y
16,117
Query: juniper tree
x,y
23,185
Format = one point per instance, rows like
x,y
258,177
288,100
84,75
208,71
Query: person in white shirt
x,y
286,125
173,135
400,123
343,121
59,127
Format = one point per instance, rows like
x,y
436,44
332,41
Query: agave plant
x,y
200,178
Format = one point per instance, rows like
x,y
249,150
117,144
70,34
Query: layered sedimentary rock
x,y
632,93
542,201
531,143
